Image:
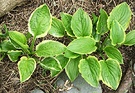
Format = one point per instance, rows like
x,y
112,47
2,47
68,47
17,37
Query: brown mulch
x,y
17,19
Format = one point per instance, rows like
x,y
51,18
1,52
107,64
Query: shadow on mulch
x,y
17,19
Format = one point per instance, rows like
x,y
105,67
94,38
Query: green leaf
x,y
49,48
6,46
18,39
51,63
117,34
26,68
40,21
114,53
111,73
90,70
72,69
81,23
102,22
84,45
63,62
70,54
14,55
130,38
95,18
57,28
66,20
122,13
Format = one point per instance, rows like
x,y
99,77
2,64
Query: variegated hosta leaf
x,y
18,39
122,13
66,20
90,70
114,53
72,69
49,48
117,34
111,73
6,46
26,68
57,28
63,62
84,45
51,63
130,38
81,23
102,22
70,54
40,21
14,55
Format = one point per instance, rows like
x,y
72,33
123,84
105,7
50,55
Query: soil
x,y
17,19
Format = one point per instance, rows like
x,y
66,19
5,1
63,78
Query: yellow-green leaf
x,y
14,55
84,45
117,34
102,22
122,13
111,73
130,38
63,62
90,70
113,53
49,48
57,28
26,68
81,23
72,69
66,20
40,21
51,63
18,39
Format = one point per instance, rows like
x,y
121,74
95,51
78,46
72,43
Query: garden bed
x,y
17,19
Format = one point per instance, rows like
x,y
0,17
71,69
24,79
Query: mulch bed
x,y
17,19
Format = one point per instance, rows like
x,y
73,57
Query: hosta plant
x,y
93,50
48,53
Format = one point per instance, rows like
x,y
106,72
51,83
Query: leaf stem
x,y
102,56
32,45
3,55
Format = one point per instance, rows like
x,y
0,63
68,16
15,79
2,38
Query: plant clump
x,y
85,38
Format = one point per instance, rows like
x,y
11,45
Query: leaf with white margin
x,y
122,13
26,68
49,48
40,21
111,73
72,69
81,23
18,39
70,54
14,55
63,62
130,38
102,22
114,53
90,70
51,63
66,20
117,34
83,45
57,28
6,46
